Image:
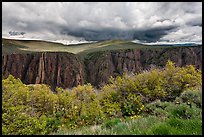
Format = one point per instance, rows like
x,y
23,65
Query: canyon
x,y
67,70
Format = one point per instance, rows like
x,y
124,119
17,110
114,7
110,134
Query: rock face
x,y
55,69
66,70
115,63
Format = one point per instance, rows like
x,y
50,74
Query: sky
x,y
145,22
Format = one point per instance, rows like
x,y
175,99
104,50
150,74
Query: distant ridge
x,y
184,44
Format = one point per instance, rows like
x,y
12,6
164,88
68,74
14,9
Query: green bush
x,y
85,105
52,124
179,79
110,101
10,92
117,102
42,99
190,97
172,109
23,124
23,107
150,84
156,108
184,111
131,105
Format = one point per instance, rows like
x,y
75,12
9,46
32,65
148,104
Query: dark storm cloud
x,y
153,35
149,35
105,34
148,22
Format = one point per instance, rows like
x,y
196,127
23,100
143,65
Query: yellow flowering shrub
x,y
86,105
35,109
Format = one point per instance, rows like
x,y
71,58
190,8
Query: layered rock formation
x,y
116,63
66,70
55,69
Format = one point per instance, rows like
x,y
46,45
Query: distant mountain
x,y
182,44
164,43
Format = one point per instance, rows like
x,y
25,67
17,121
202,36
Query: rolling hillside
x,y
29,46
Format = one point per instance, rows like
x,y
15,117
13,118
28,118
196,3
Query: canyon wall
x,y
55,69
66,70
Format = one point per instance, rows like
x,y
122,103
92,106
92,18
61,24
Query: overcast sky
x,y
145,22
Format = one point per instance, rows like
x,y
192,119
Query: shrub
x,y
14,92
179,79
118,102
191,96
110,101
131,105
150,84
172,109
52,124
23,107
42,99
85,105
183,111
156,108
22,124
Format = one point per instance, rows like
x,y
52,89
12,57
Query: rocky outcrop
x,y
100,67
55,69
66,70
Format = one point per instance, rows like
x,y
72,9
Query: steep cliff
x,y
66,70
55,69
101,66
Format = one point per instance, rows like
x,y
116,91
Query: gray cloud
x,y
150,22
153,35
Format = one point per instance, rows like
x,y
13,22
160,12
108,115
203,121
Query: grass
x,y
31,46
150,125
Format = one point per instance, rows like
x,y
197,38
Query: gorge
x,y
67,70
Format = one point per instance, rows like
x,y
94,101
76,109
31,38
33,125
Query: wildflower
x,y
177,102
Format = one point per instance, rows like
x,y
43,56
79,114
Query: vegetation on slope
x,y
166,118
35,109
31,46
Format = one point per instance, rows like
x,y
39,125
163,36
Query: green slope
x,y
26,46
